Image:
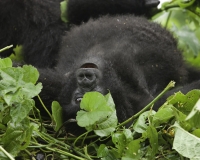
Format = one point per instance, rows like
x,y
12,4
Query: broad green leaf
x,y
128,135
6,62
12,141
184,103
153,139
105,154
17,137
195,110
63,8
185,143
120,142
194,115
57,114
196,132
105,127
121,139
163,115
17,56
97,115
102,151
21,110
132,151
110,101
13,88
31,74
140,125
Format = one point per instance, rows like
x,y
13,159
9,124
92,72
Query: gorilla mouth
x,y
78,99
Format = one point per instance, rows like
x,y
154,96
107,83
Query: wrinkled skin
x,y
131,57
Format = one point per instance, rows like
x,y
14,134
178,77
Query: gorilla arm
x,y
52,82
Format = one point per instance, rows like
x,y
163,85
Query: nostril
x,y
81,76
90,76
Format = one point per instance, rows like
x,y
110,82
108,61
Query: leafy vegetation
x,y
173,132
182,18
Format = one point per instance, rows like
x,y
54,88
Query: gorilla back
x,y
129,56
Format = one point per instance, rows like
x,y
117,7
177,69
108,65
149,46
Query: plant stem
x,y
6,153
57,150
80,137
5,48
65,153
169,86
45,107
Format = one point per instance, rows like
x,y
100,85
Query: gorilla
x,y
128,56
36,24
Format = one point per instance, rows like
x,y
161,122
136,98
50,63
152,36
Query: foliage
x,y
63,8
170,133
182,18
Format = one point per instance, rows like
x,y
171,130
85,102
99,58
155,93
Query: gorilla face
x,y
88,77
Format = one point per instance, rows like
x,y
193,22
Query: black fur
x,y
129,56
36,24
79,10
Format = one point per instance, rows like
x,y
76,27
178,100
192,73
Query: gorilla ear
x,y
89,65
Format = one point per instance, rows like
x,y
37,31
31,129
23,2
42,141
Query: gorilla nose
x,y
86,78
85,74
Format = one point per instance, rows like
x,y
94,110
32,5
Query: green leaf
x,y
6,62
185,26
17,56
63,8
31,74
196,132
194,115
132,151
195,110
185,143
128,135
105,154
106,126
57,114
140,125
153,139
98,113
102,151
184,103
13,88
163,115
110,101
119,140
17,137
19,112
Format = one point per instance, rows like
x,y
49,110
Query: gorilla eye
x,y
78,100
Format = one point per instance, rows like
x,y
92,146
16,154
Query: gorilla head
x,y
128,56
